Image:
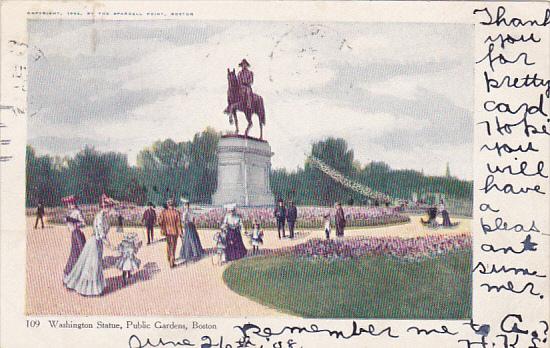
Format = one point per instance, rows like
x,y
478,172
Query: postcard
x,y
274,174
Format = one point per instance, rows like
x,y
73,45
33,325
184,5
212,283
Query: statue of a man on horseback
x,y
241,98
246,79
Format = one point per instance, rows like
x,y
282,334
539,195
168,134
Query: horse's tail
x,y
260,110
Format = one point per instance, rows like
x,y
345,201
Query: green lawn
x,y
366,287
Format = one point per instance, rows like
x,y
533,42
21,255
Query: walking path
x,y
188,290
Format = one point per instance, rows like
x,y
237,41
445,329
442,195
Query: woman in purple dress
x,y
191,248
75,221
233,226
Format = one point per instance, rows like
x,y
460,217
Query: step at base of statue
x,y
244,167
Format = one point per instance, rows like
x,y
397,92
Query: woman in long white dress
x,y
86,277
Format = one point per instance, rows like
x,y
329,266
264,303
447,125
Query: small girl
x,y
220,239
326,222
127,261
256,237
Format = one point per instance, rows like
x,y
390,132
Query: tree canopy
x,y
169,169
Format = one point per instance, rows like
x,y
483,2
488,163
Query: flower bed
x,y
211,217
409,249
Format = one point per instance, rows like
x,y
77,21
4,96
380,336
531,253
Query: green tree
x,y
41,180
312,187
187,169
169,169
335,153
162,169
88,175
203,166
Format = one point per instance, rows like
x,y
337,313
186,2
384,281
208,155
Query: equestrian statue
x,y
241,98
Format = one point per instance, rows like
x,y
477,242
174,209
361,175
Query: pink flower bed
x,y
406,249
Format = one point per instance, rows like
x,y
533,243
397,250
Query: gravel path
x,y
188,290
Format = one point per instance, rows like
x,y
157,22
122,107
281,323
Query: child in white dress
x,y
127,261
326,223
256,237
220,240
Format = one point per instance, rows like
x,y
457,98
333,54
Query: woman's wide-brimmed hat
x,y
244,63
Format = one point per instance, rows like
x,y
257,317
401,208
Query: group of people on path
x,y
433,211
83,271
339,221
84,268
173,225
290,215
229,241
282,214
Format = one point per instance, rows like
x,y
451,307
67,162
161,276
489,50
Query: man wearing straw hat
x,y
170,223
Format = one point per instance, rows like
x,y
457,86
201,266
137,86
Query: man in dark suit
x,y
340,220
149,219
39,215
291,216
280,215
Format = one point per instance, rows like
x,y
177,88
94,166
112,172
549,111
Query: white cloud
x,y
289,62
92,40
292,125
455,85
203,66
406,87
411,43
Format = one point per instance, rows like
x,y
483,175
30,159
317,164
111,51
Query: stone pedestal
x,y
244,165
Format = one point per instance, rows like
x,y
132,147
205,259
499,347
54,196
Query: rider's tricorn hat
x,y
244,63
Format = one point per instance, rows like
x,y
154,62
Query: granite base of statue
x,y
244,166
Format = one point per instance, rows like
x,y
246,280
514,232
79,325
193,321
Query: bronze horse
x,y
236,102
